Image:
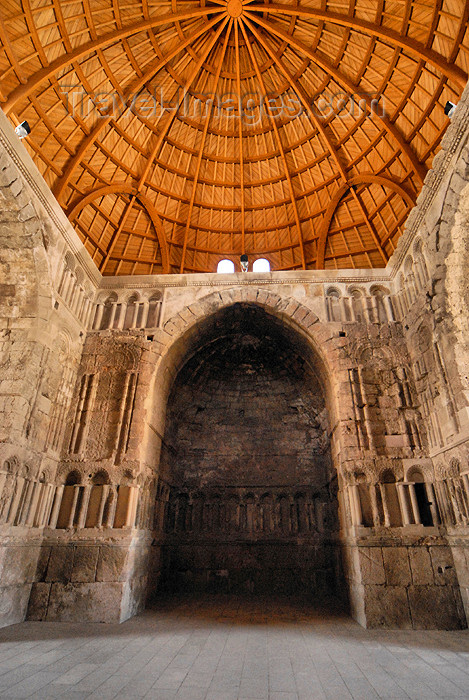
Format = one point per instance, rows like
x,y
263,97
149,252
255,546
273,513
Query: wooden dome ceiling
x,y
310,178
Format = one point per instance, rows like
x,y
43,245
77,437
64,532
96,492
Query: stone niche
x,y
246,463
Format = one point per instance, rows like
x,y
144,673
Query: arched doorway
x,y
246,468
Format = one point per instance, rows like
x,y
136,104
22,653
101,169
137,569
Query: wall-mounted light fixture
x,y
23,130
449,109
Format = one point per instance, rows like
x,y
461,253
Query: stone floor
x,y
225,649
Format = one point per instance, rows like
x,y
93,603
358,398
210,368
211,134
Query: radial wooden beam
x,y
341,78
136,191
282,152
240,139
34,33
194,72
10,53
302,94
411,45
116,35
299,90
279,173
201,149
127,96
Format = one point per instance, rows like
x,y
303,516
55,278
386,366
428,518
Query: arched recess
x,y
181,332
180,336
365,179
203,332
147,205
246,460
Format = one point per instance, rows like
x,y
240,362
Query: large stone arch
x,y
182,330
185,334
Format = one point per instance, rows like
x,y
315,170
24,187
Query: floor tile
x,y
226,648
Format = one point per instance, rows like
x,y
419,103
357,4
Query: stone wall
x,y
91,578
435,311
390,510
99,485
104,495
40,348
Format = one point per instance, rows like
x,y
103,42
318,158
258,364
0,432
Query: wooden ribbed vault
x,y
322,174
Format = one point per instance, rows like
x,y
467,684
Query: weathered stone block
x,y
60,564
421,566
42,564
396,566
84,563
435,607
133,598
371,565
7,290
356,596
443,566
38,601
85,602
13,603
351,563
387,606
461,563
18,564
112,563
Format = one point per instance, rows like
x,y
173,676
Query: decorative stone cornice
x,y
212,279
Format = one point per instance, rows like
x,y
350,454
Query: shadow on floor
x,y
184,614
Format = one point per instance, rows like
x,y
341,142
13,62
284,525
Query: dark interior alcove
x,y
246,462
